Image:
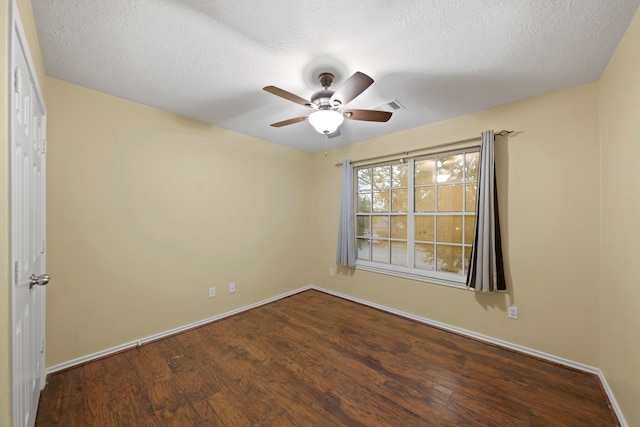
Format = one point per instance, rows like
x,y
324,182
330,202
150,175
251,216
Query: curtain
x,y
346,235
486,269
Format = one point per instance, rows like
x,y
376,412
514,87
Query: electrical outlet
x,y
232,287
212,292
331,272
513,312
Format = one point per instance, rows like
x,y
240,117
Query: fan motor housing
x,y
322,99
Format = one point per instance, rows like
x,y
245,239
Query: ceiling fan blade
x,y
351,88
367,115
287,95
290,121
334,134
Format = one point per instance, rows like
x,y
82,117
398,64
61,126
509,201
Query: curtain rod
x,y
406,153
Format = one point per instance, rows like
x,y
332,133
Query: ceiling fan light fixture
x,y
326,121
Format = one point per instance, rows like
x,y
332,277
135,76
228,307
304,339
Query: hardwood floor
x,y
313,359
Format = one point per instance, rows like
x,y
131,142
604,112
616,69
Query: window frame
x,y
415,273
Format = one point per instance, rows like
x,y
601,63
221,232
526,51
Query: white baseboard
x,y
612,400
505,344
154,337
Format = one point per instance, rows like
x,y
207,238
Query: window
x,y
415,218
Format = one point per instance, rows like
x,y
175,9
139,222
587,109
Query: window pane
x,y
399,200
364,202
364,226
423,255
398,227
381,201
364,179
467,257
471,190
363,249
449,229
450,168
399,253
423,228
472,166
425,171
380,251
381,177
425,200
440,212
380,226
449,259
450,198
399,176
469,228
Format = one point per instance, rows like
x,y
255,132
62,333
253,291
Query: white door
x,y
28,243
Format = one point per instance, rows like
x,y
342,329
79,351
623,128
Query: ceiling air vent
x,y
393,105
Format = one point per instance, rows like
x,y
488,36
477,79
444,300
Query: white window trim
x,y
436,277
413,273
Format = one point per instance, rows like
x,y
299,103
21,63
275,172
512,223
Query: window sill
x,y
437,278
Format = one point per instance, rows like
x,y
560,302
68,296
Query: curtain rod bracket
x,y
506,133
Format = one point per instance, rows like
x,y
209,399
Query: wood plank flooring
x,y
313,359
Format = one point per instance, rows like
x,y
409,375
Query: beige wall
x,y
548,190
26,14
620,223
147,210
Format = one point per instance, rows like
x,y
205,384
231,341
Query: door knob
x,y
41,280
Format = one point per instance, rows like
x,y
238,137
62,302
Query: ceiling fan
x,y
326,104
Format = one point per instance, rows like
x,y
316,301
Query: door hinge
x,y
17,80
44,146
44,246
15,273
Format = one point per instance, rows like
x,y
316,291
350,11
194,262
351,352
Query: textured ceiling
x,y
209,59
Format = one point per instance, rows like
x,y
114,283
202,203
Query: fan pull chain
x,y
326,144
